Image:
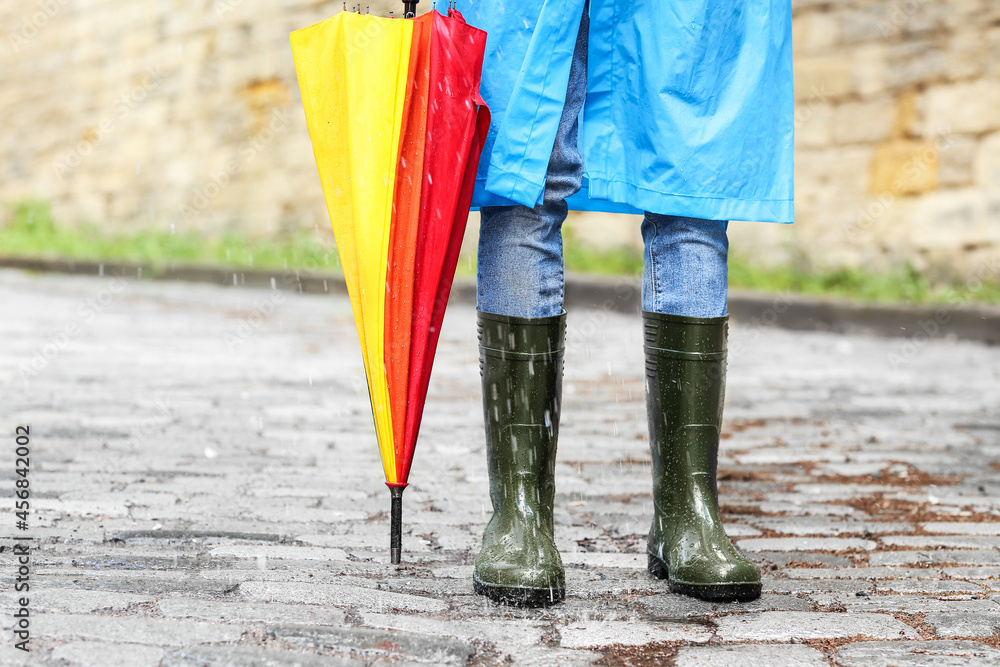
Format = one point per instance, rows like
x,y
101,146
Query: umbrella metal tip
x,y
396,524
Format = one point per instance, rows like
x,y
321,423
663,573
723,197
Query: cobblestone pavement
x,y
206,490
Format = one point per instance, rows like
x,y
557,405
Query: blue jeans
x,y
520,264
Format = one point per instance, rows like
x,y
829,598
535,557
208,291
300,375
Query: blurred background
x,y
172,132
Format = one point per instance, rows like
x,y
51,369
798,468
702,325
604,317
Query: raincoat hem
x,y
619,196
710,207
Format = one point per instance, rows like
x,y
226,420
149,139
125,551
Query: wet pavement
x,y
205,489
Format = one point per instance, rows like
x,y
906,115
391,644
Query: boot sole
x,y
707,592
520,597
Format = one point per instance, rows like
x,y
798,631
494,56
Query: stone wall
x,y
186,113
898,126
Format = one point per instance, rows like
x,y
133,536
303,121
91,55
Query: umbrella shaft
x,y
410,8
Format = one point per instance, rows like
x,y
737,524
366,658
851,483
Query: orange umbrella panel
x,y
403,239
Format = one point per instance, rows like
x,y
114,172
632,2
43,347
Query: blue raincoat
x,y
689,107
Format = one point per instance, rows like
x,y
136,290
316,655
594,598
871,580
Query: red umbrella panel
x,y
457,121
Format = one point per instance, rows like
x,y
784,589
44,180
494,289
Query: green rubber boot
x,y
685,385
521,364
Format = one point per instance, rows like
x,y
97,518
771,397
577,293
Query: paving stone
x,y
143,583
107,654
597,588
134,629
973,572
82,601
395,643
860,572
428,586
806,586
196,536
278,551
945,541
544,656
672,607
453,572
965,624
782,559
127,562
937,586
752,655
250,612
741,530
850,469
957,528
206,656
821,493
970,557
290,570
809,509
825,526
340,596
806,544
918,654
784,626
585,634
498,631
911,603
636,561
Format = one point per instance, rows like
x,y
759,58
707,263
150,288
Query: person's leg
x,y
684,292
521,333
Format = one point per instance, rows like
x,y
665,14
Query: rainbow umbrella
x,y
397,127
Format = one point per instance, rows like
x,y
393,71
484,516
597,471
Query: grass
x,y
30,231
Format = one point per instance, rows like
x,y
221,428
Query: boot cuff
x,y
687,337
528,336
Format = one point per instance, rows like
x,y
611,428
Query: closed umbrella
x,y
397,127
